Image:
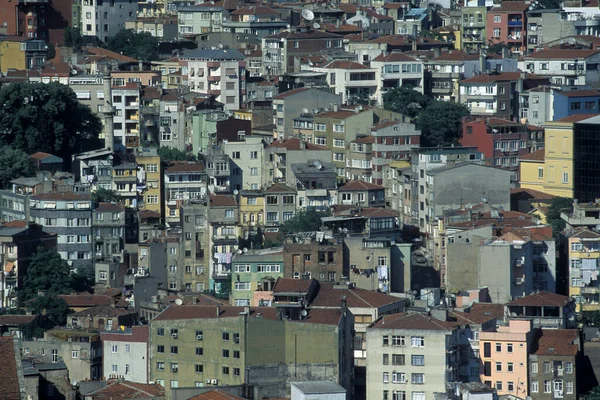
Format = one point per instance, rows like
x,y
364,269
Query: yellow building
x,y
531,170
150,183
246,115
252,210
18,53
584,254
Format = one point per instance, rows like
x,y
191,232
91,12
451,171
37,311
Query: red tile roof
x,y
394,56
295,144
541,299
216,394
378,213
138,334
576,118
484,310
341,28
421,322
365,139
185,167
279,188
579,93
16,320
9,384
114,207
127,390
255,10
328,296
286,285
85,300
221,200
395,5
99,51
531,194
289,93
538,155
304,35
502,76
557,342
345,64
103,310
360,186
454,55
373,14
560,54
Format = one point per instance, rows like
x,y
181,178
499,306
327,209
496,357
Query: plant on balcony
x,y
46,117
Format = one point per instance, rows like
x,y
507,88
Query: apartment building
x,y
504,357
224,233
248,156
125,183
411,356
255,273
125,354
195,19
106,19
126,119
395,70
547,310
564,66
584,253
362,194
15,200
223,345
507,23
163,28
260,20
308,256
160,264
282,51
546,103
447,70
316,185
184,182
474,21
252,215
21,53
194,231
163,118
280,205
149,180
562,25
290,105
108,225
19,241
69,216
220,73
354,81
282,154
553,365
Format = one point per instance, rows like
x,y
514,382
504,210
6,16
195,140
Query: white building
x,y
317,390
247,156
395,70
126,354
411,356
564,67
351,79
221,73
104,19
184,182
126,120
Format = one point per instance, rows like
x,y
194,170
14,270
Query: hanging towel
x,y
227,258
382,272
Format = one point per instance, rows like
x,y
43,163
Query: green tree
x,y
14,163
557,206
105,195
83,279
47,272
72,38
53,308
406,101
304,221
141,46
497,48
441,123
170,154
45,117
51,52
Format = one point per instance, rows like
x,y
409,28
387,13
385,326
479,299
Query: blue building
x,y
575,102
551,103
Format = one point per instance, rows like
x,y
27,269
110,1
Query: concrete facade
x,y
126,354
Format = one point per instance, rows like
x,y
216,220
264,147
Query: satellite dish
x,y
235,192
308,14
598,228
316,25
304,313
239,251
305,111
245,250
179,302
288,26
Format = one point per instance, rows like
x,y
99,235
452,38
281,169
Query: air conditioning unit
x,y
174,369
198,337
208,381
174,335
213,381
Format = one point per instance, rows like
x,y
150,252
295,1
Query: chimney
x,y
441,314
247,310
436,52
108,111
336,107
218,310
140,65
344,303
505,53
414,43
482,68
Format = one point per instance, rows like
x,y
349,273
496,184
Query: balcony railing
x,y
515,23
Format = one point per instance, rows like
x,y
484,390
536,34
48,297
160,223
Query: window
x,y
75,354
417,341
496,32
115,368
547,386
576,105
497,19
225,353
225,336
499,385
418,360
236,354
569,367
540,172
510,386
535,386
386,377
569,387
386,339
160,348
320,127
398,377
417,379
510,367
565,178
547,368
199,351
397,340
174,384
160,366
114,348
236,371
160,331
386,359
174,350
199,368
398,359
338,128
498,347
418,396
339,143
321,141
498,367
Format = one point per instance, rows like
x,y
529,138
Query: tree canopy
x,y
72,37
406,101
304,221
45,117
53,308
170,154
48,272
105,195
141,46
441,123
14,163
558,205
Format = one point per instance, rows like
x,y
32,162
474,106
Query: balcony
x,y
590,290
150,110
125,178
316,192
519,262
519,281
515,23
225,239
214,78
446,75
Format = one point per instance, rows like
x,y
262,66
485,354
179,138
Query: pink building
x,y
504,356
506,23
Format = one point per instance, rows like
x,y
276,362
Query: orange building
x,y
503,355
